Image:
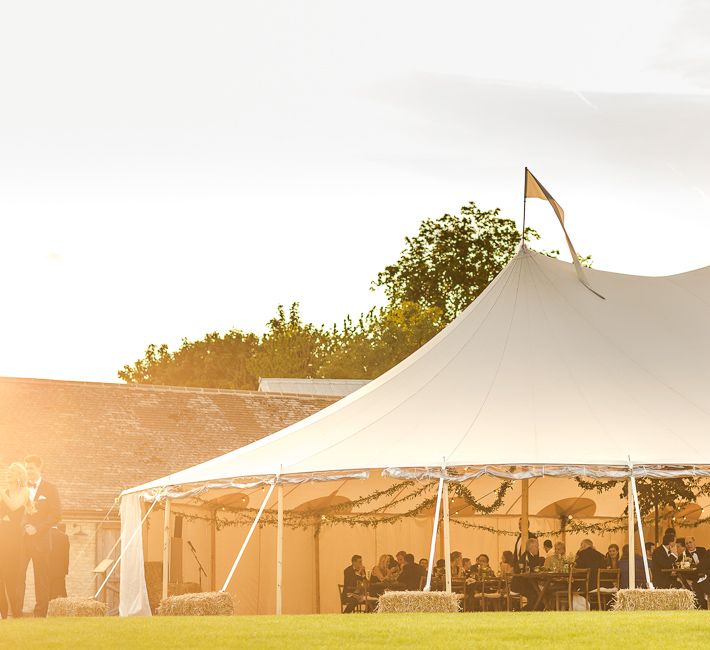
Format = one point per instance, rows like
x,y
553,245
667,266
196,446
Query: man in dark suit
x,y
664,557
58,562
411,573
528,561
702,585
46,512
589,558
692,552
354,587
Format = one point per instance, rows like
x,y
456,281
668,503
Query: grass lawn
x,y
387,631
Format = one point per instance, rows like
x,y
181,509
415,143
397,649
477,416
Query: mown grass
x,y
387,631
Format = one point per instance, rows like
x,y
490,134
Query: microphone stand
x,y
199,564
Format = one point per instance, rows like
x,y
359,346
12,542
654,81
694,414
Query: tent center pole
x,y
642,540
279,547
524,519
166,548
632,536
430,568
447,539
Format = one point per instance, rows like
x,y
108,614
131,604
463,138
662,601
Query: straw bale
x,y
398,602
211,603
76,607
653,599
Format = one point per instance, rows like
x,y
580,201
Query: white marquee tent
x,y
538,377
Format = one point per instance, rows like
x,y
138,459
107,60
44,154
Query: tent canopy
x,y
539,374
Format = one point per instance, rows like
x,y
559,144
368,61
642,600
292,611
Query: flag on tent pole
x,y
535,190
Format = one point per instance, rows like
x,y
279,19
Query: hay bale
x,y
399,602
631,600
211,603
76,607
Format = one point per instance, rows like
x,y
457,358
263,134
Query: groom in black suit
x,y
46,512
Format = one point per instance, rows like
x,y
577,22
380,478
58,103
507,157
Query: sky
x,y
169,169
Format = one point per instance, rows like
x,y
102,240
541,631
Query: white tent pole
x,y
123,549
166,548
427,586
279,547
632,539
642,540
524,518
248,537
447,539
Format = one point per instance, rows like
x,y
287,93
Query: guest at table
x,y
354,585
680,547
589,558
482,568
467,567
693,552
664,557
392,565
400,558
424,564
529,561
612,556
457,564
547,548
556,560
624,569
411,574
671,532
381,571
702,584
507,563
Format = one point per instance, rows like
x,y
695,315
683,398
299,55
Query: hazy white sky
x,y
173,168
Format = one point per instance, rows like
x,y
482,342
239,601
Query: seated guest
x,y
507,563
589,558
424,564
530,560
467,568
456,564
692,552
400,558
671,532
393,566
547,548
557,560
702,585
482,568
624,569
664,557
680,547
354,585
612,556
380,572
411,574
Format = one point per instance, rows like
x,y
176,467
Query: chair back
x,y
578,583
608,579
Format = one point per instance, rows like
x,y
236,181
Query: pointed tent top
x,y
537,372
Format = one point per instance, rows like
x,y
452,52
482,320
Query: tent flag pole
x,y
632,540
430,568
447,539
525,200
279,548
642,540
166,548
130,541
248,537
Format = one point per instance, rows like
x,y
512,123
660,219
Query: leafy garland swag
x,y
346,513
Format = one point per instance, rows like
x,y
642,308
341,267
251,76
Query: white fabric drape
x,y
134,595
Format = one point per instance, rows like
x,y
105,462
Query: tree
x,y
380,340
451,260
216,361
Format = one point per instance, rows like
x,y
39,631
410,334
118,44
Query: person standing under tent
x,y
354,585
58,562
45,513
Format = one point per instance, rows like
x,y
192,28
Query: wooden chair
x,y
577,585
608,581
493,591
513,600
360,607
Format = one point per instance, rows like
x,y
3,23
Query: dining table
x,y
543,582
686,576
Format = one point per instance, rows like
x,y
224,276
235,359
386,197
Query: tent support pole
x,y
447,539
130,541
430,568
632,537
166,548
316,559
279,548
524,519
213,551
642,541
248,537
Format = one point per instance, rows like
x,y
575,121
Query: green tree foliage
x,y
451,260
